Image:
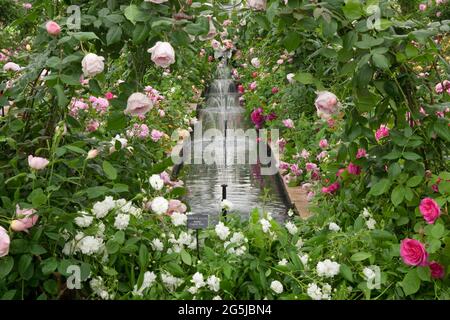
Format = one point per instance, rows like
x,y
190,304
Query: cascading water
x,y
247,188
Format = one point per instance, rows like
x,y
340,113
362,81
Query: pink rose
x,y
156,135
288,123
109,95
252,86
163,54
37,163
283,165
310,196
275,90
323,143
138,104
382,132
53,28
27,6
422,7
437,270
311,166
92,126
413,252
331,188
257,117
92,154
4,242
176,205
296,170
241,89
326,104
354,169
27,219
430,210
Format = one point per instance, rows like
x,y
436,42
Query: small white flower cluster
x,y
184,239
226,205
304,259
370,221
236,244
334,227
327,268
222,231
99,288
102,208
317,293
291,227
157,245
276,286
85,220
198,280
178,219
156,182
170,281
283,262
149,279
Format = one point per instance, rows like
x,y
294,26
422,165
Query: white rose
x,y
156,182
163,54
92,64
276,286
138,104
156,1
160,205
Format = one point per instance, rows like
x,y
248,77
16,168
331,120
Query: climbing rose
x,y
362,153
257,117
163,54
241,89
323,143
331,188
442,86
4,242
37,163
437,270
382,132
253,86
92,126
354,169
422,7
326,104
138,104
413,252
92,64
156,135
53,28
257,4
255,62
430,210
27,6
176,206
26,219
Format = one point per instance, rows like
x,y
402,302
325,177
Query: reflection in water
x,y
247,188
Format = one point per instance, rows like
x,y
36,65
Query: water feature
x,y
246,188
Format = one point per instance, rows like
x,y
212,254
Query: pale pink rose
x,y
438,14
161,113
362,153
138,104
442,86
283,165
11,66
323,143
322,155
422,7
255,62
310,196
430,210
37,163
27,6
92,154
165,177
280,61
4,242
163,54
176,205
26,219
258,5
215,44
92,64
288,123
53,28
156,135
311,166
296,170
413,252
382,132
92,126
305,154
100,104
226,22
253,86
144,131
326,104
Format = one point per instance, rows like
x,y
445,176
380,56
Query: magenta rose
x,y
437,270
413,252
430,210
258,117
354,169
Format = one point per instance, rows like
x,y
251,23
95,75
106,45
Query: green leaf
x,y
411,156
346,272
380,187
352,9
49,265
37,249
112,246
143,256
186,257
437,231
411,282
71,80
424,273
84,36
24,263
134,14
360,256
6,265
110,171
397,195
114,34
37,197
414,181
292,41
381,61
9,295
305,78
119,237
62,99
140,33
